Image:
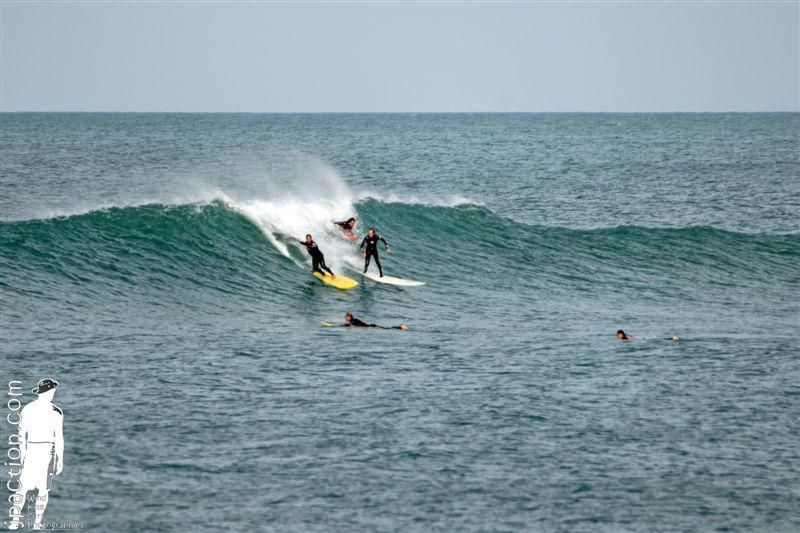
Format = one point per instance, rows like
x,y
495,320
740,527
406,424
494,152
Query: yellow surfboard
x,y
338,281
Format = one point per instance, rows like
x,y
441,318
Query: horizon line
x,y
394,112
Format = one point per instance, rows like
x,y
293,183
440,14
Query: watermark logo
x,y
35,454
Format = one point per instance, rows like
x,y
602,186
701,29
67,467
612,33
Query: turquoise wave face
x,y
215,247
153,245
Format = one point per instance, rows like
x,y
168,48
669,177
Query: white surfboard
x,y
391,280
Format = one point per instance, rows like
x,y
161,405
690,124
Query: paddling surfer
x,y
371,242
317,259
352,321
621,335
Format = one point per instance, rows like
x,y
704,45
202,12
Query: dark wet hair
x,y
620,331
309,235
371,229
348,314
351,219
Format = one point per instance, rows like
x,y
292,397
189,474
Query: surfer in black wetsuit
x,y
354,322
371,242
317,259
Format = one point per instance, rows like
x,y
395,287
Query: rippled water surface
x,y
149,263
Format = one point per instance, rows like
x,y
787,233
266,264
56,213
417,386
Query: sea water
x,y
150,264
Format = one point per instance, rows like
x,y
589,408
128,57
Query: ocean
x,y
149,263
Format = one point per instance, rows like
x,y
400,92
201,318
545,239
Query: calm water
x,y
148,263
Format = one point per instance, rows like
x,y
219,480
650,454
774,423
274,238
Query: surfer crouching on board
x,y
354,322
317,259
371,242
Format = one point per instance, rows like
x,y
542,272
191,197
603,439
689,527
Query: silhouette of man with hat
x,y
42,449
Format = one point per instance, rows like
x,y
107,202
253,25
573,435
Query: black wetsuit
x,y
317,259
356,323
372,250
360,324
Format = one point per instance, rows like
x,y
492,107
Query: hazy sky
x,y
255,56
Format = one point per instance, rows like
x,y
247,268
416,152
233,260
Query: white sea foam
x,y
285,221
454,200
308,198
197,196
307,202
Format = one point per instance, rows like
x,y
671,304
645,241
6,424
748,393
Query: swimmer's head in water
x,y
308,238
351,222
348,316
622,335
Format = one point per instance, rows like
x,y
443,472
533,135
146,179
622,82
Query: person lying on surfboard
x,y
347,226
317,259
371,242
354,322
